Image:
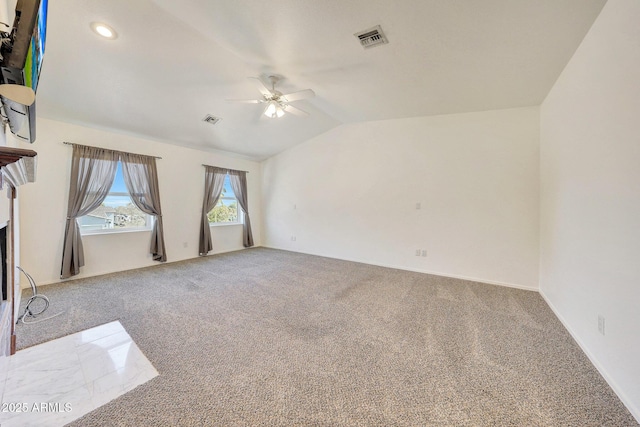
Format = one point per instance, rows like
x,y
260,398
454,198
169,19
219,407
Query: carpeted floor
x,y
275,338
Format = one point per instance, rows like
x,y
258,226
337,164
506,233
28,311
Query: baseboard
x,y
635,411
417,270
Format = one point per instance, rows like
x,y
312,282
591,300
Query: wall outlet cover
x,y
601,324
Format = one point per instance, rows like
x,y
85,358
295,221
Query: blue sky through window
x,y
118,183
228,192
118,186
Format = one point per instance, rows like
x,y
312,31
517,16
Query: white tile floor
x,y
56,382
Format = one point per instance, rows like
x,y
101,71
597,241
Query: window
x,y
117,212
226,210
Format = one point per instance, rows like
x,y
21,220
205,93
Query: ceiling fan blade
x,y
246,101
264,90
294,110
296,96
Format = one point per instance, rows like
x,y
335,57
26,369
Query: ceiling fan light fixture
x,y
275,103
270,111
273,110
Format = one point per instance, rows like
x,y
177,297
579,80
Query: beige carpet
x,y
274,338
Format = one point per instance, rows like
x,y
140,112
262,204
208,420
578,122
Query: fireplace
x,y
17,167
6,311
3,261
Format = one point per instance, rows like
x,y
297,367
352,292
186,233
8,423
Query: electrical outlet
x,y
418,205
424,252
293,238
417,252
185,244
601,324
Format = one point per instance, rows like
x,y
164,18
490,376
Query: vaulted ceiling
x,y
176,61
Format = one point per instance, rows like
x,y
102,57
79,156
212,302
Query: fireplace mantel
x,y
10,155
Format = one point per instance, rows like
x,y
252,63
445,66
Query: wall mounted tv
x,y
22,62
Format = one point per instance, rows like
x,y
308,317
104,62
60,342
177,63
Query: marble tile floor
x,y
56,382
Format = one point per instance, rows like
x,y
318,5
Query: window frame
x,y
240,220
150,219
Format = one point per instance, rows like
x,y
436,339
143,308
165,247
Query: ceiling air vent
x,y
372,37
211,119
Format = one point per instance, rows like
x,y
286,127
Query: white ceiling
x,y
176,61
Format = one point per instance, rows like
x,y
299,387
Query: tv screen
x,y
22,58
33,62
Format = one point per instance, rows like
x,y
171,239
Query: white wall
x,y
351,193
43,204
590,196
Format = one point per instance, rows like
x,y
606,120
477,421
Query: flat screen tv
x,y
22,62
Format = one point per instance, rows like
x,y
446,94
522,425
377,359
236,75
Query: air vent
x,y
211,119
372,37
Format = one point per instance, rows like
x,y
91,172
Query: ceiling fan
x,y
276,102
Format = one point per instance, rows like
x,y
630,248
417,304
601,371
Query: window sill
x,y
104,232
223,224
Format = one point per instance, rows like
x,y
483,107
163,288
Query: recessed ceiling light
x,y
104,30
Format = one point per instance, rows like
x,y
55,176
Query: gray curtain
x,y
213,183
92,173
141,178
238,181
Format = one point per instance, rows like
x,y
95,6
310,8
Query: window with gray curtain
x,y
92,172
239,186
213,183
141,178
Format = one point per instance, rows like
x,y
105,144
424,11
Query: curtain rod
x,y
115,151
224,168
